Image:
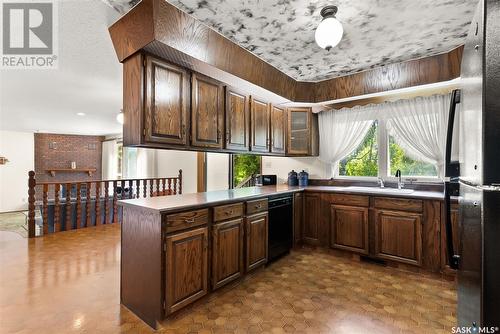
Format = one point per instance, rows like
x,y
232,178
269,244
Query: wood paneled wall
x,y
169,33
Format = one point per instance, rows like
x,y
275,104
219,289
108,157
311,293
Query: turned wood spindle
x,y
130,188
115,202
180,181
88,218
68,224
31,204
45,209
122,185
98,220
157,187
106,202
57,213
78,205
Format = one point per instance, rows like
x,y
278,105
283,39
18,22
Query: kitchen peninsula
x,y
176,249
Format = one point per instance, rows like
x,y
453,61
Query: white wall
x,y
282,166
217,171
18,147
169,162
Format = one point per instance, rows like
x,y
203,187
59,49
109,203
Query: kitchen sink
x,y
380,190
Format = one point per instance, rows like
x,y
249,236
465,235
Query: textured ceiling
x,y
376,32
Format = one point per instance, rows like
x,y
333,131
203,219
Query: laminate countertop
x,y
174,203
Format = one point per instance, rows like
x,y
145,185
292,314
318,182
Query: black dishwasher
x,y
280,226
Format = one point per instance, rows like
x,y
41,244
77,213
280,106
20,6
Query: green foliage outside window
x,y
245,165
408,166
363,161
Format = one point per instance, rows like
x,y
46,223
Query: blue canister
x,y
303,178
292,178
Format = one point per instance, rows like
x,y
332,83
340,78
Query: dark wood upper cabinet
x,y
237,120
186,268
207,114
349,228
256,240
166,103
278,129
302,132
299,131
311,223
171,107
259,119
227,252
398,236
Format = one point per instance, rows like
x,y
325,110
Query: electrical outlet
x,y
268,164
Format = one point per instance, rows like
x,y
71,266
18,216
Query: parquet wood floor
x,y
69,283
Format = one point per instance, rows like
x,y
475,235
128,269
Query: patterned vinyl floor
x,y
69,283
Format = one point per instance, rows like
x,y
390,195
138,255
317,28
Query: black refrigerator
x,y
477,174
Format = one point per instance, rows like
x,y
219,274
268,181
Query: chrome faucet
x,y
381,182
400,183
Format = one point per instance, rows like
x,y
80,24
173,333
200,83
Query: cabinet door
x,y
311,222
237,120
259,119
278,129
349,228
167,103
456,240
299,131
256,245
227,252
298,216
207,117
398,236
186,268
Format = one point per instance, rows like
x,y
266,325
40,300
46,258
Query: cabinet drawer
x,y
401,204
256,206
229,211
354,200
185,220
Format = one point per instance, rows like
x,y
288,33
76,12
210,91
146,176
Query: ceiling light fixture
x,y
329,32
119,117
80,113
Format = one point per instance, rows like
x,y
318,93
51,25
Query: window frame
x,y
384,162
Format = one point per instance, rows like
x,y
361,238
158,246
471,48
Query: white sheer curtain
x,y
341,132
419,126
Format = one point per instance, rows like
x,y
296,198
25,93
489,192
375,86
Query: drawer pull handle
x,y
189,221
258,206
230,212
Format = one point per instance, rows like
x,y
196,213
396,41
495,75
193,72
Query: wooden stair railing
x,y
249,181
74,203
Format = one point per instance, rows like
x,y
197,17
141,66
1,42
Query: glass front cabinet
x,y
302,132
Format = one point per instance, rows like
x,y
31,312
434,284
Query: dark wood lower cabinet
x,y
186,268
227,252
398,236
349,228
311,223
298,216
256,240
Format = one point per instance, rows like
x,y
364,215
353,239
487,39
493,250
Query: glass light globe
x,y
329,33
119,118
